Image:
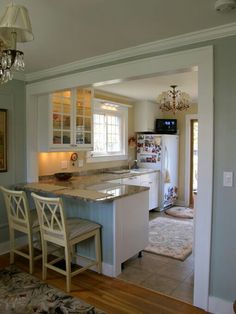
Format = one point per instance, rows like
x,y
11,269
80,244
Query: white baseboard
x,y
5,246
107,269
220,306
180,203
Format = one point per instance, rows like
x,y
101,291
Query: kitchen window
x,y
110,126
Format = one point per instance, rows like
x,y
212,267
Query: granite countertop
x,y
94,187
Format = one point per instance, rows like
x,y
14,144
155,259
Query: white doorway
x,y
191,158
193,161
202,58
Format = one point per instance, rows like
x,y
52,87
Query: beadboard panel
x,y
100,212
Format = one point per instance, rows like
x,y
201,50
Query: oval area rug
x,y
181,212
170,237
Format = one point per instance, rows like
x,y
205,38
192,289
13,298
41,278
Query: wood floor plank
x,y
112,295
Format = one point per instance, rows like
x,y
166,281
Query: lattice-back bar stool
x,y
22,219
64,232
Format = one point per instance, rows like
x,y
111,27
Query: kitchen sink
x,y
121,171
140,170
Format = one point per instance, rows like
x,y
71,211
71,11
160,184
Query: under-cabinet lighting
x,y
115,81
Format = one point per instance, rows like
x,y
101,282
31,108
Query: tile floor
x,y
160,273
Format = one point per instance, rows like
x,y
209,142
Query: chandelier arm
x,y
174,100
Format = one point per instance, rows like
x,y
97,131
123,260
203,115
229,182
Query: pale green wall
x,y
223,271
12,97
223,253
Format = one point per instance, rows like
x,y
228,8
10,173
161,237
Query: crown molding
x,y
151,47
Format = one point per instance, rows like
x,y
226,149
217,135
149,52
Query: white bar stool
x,y
66,233
22,219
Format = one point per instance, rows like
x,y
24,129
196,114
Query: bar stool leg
x,y
12,244
68,269
31,254
98,251
45,258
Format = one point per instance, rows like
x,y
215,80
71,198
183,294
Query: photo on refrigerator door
x,y
149,150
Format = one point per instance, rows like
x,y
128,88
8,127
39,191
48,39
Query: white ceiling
x,y
71,30
150,88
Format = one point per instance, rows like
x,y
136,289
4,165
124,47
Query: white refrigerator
x,y
161,152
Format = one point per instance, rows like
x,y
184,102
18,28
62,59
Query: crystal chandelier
x,y
173,100
15,27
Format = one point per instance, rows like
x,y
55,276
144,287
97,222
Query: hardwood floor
x,y
110,294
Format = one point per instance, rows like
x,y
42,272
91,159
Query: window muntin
x,y
110,127
107,134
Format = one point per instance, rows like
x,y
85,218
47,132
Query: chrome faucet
x,y
134,162
135,166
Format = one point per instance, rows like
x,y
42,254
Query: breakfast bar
x,y
122,210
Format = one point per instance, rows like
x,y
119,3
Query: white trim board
x,y
202,58
151,47
219,306
107,269
5,246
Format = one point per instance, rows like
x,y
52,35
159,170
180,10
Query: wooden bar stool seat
x,y
66,233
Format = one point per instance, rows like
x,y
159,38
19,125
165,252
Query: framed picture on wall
x,y
3,140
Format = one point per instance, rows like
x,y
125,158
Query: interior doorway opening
x,y
193,161
203,59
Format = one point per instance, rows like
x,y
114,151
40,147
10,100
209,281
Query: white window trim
x,y
122,111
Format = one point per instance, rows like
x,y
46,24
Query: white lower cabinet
x,y
131,222
151,180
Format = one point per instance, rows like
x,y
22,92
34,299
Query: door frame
x,y
188,119
200,58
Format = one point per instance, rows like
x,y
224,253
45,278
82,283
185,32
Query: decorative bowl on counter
x,y
63,175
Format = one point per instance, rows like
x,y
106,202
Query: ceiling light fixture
x,y
173,100
15,27
225,5
109,106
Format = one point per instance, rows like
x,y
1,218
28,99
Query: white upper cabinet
x,y
145,114
65,120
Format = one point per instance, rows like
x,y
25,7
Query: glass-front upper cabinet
x,y
83,112
71,119
62,118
